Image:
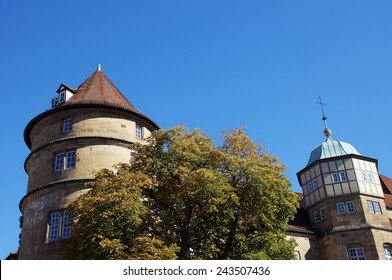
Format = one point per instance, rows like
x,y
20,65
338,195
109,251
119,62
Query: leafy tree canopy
x,y
181,197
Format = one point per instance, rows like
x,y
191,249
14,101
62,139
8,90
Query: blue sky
x,y
210,64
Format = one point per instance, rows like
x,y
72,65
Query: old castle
x,y
346,205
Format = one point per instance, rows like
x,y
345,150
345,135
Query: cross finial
x,y
327,131
324,118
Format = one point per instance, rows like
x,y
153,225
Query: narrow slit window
x,y
138,132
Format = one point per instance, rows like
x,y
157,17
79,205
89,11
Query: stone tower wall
x,y
101,137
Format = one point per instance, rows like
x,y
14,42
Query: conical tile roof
x,y
98,89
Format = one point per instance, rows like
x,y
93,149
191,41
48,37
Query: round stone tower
x,y
87,129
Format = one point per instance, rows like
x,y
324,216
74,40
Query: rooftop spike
x,y
327,131
99,67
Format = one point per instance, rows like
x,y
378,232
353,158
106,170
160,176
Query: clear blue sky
x,y
207,64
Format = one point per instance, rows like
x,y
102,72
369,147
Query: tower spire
x,y
327,131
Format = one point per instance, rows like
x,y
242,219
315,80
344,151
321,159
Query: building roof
x,y
386,184
98,89
331,148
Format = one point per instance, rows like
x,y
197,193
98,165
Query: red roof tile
x,y
98,89
386,184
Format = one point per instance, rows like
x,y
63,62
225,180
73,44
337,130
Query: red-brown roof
x,y
386,184
98,89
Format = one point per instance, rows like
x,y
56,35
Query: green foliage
x,y
182,197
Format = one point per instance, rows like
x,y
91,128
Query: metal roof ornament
x,y
327,131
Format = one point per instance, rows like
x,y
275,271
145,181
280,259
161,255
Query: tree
x,y
108,221
184,198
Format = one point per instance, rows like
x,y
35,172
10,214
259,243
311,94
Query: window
x,y
335,177
345,207
312,185
317,217
59,226
339,177
373,207
70,160
367,177
388,253
370,206
350,206
66,230
356,253
59,162
138,132
377,208
341,208
323,214
61,96
67,125
343,176
54,226
68,157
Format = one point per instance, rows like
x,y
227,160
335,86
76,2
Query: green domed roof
x,y
331,148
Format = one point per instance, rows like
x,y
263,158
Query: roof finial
x,y
99,67
327,131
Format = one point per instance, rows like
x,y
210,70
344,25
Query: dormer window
x,y
64,93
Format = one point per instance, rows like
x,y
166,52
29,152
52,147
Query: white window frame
x,y
388,253
367,177
139,131
59,226
341,208
340,176
62,96
377,207
54,226
357,253
343,176
70,159
67,125
350,206
65,160
370,206
374,207
59,161
335,177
